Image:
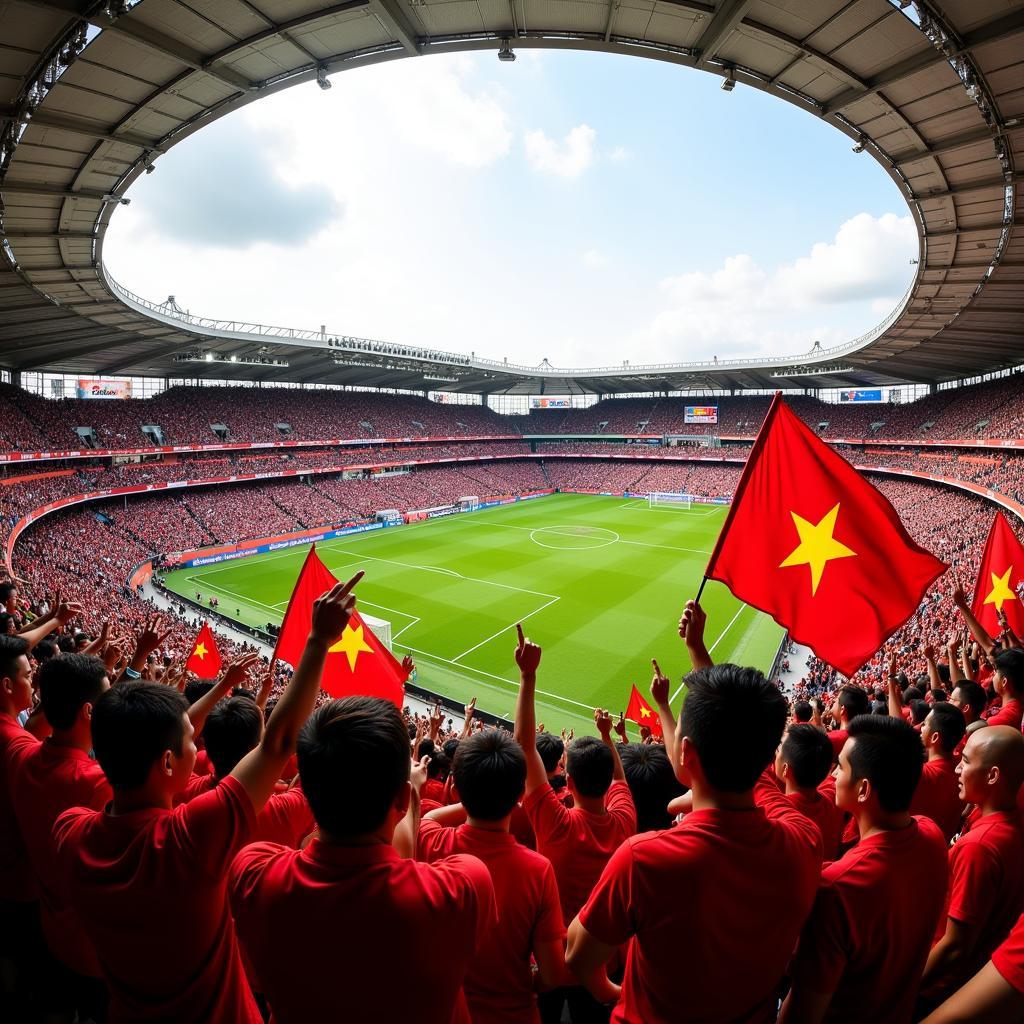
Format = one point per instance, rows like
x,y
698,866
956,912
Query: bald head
x,y
993,764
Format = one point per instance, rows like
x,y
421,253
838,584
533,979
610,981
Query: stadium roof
x,y
91,93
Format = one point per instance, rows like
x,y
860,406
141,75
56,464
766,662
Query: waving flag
x,y
809,541
205,660
1000,576
358,663
642,713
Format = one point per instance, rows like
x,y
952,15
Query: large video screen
x,y
701,414
861,395
546,402
94,387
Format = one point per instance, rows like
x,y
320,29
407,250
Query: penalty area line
x,y
505,629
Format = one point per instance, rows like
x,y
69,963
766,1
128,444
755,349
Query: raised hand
x,y
959,597
659,685
620,727
470,709
691,629
603,721
527,653
238,671
418,773
66,611
150,638
408,665
332,611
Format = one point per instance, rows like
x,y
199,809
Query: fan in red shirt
x,y
729,886
578,840
56,775
970,698
864,946
850,702
148,881
348,918
802,765
938,793
986,865
1008,681
490,774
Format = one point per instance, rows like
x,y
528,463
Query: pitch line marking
x,y
566,531
711,649
635,543
505,629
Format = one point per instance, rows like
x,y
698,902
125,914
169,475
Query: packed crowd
x,y
248,850
207,415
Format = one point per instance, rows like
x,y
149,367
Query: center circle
x,y
573,538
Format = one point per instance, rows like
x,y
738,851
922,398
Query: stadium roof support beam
x,y
393,15
728,15
25,188
972,186
1001,28
930,149
76,126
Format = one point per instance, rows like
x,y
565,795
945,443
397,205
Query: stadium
x,y
162,470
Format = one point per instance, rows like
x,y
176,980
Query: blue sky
x,y
580,207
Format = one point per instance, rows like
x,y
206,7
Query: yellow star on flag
x,y
1001,590
200,651
645,713
351,645
817,545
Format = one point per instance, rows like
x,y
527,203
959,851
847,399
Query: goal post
x,y
668,499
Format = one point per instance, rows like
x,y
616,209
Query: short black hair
x,y
439,765
66,684
948,722
734,717
919,711
232,729
888,753
854,701
973,696
912,693
590,765
490,774
354,738
1011,664
133,723
802,711
11,649
651,781
938,695
425,749
7,588
808,752
196,689
46,648
551,749
449,747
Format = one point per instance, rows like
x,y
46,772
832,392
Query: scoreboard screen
x,y
701,414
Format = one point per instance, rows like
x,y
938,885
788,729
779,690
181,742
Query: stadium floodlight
x,y
321,77
858,146
506,53
730,81
109,197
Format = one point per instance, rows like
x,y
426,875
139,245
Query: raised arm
x,y
145,644
977,629
233,676
261,768
61,615
406,831
266,686
467,723
691,629
956,673
528,658
604,723
659,694
895,694
933,669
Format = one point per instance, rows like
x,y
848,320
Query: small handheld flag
x,y
1000,575
205,660
358,664
812,543
640,712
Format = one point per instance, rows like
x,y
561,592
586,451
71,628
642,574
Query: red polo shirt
x,y
577,842
43,786
1008,959
16,881
354,932
499,984
938,796
838,738
873,922
733,886
824,813
149,888
1010,713
986,868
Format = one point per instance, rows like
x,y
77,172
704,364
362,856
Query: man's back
x,y
499,984
16,881
873,922
149,889
338,932
937,796
577,842
714,907
44,784
824,813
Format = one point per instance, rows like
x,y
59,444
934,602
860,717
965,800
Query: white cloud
x,y
567,160
594,259
742,308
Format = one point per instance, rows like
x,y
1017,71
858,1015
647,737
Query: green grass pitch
x,y
599,582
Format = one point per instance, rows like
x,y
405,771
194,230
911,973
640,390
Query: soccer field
x,y
599,582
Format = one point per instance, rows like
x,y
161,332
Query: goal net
x,y
664,499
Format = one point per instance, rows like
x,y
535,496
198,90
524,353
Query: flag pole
x,y
700,589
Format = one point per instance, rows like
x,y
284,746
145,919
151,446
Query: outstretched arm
x,y
978,631
528,658
895,694
603,721
233,676
261,768
659,694
691,629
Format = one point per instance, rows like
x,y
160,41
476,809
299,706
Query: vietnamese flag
x,y
205,660
1001,573
358,663
642,713
809,541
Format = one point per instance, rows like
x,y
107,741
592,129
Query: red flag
x,y
642,713
1001,573
358,663
809,541
205,660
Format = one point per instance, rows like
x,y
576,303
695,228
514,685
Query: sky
x,y
581,208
